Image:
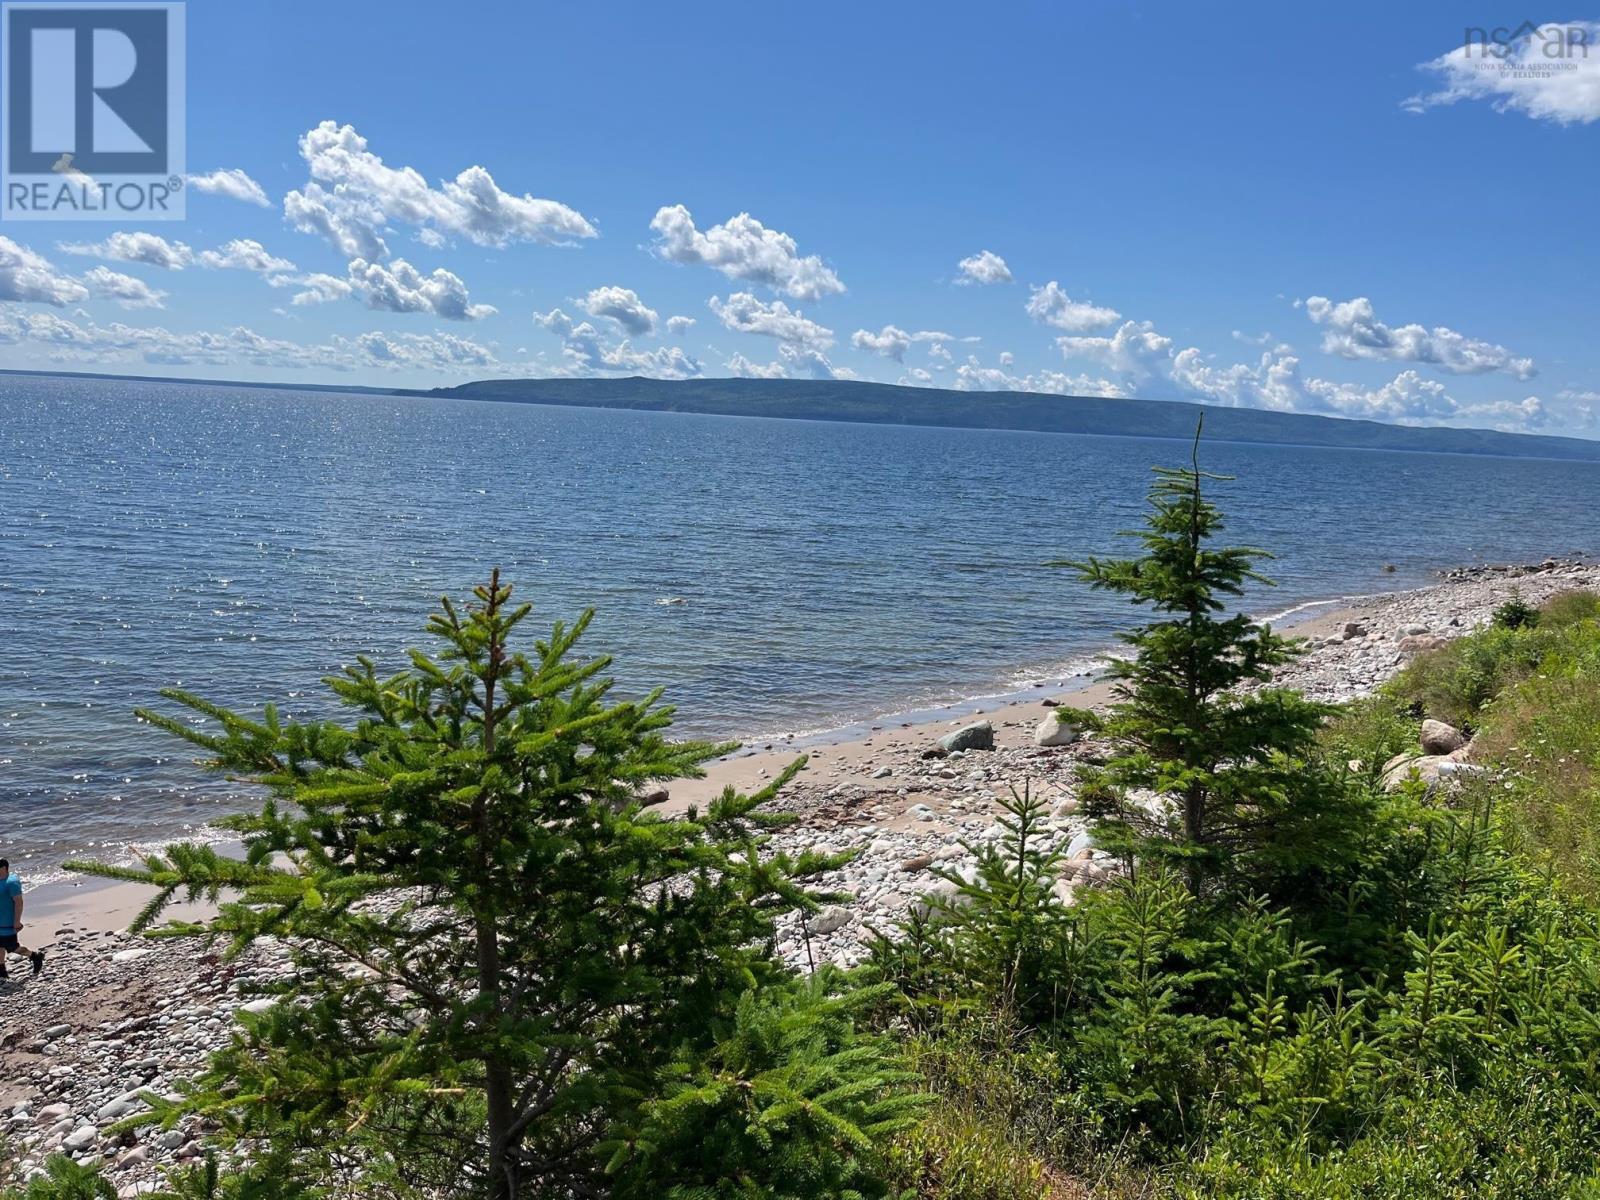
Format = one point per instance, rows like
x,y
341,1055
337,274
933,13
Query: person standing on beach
x,y
11,921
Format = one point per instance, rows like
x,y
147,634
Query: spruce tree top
x,y
1207,758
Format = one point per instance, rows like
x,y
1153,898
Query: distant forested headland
x,y
889,404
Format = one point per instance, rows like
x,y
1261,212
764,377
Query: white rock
x,y
1052,731
119,1107
80,1139
831,918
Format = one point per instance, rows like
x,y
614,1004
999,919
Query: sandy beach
x,y
113,1014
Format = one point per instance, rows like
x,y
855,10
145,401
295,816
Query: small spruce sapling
x,y
499,947
1225,764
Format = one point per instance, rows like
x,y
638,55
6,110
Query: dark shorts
x,y
8,942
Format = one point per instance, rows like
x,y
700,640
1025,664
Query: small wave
x,y
1309,605
41,870
1034,684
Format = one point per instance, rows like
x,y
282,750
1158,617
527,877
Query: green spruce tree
x,y
503,959
792,1102
1210,766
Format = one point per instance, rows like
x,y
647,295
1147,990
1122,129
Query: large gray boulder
x,y
831,918
941,895
977,736
1439,738
1419,643
1432,769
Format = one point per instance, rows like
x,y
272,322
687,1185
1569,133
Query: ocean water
x,y
242,543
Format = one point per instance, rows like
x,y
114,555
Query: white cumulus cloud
x,y
245,254
623,306
234,184
427,351
316,288
124,289
743,248
586,351
67,341
1050,305
1135,349
893,342
137,247
983,267
744,313
972,376
1276,382
809,362
29,277
400,288
741,367
1351,329
353,197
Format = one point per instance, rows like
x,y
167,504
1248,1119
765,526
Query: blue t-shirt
x,y
9,890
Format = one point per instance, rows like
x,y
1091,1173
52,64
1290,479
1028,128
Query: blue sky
x,y
1268,205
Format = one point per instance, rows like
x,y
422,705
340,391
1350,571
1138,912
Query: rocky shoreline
x,y
113,1016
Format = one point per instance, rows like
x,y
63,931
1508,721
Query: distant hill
x,y
888,404
359,389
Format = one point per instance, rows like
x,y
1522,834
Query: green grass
x,y
1455,683
1366,733
1543,733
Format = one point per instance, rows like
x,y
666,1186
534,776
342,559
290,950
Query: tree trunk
x,y
1194,810
498,1085
499,1096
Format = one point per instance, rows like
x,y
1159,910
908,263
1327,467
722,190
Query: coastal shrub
x,y
512,978
1519,1138
1003,1124
790,1101
1230,1049
1367,732
64,1179
1454,682
1470,1073
266,1180
1001,920
1516,613
1209,770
